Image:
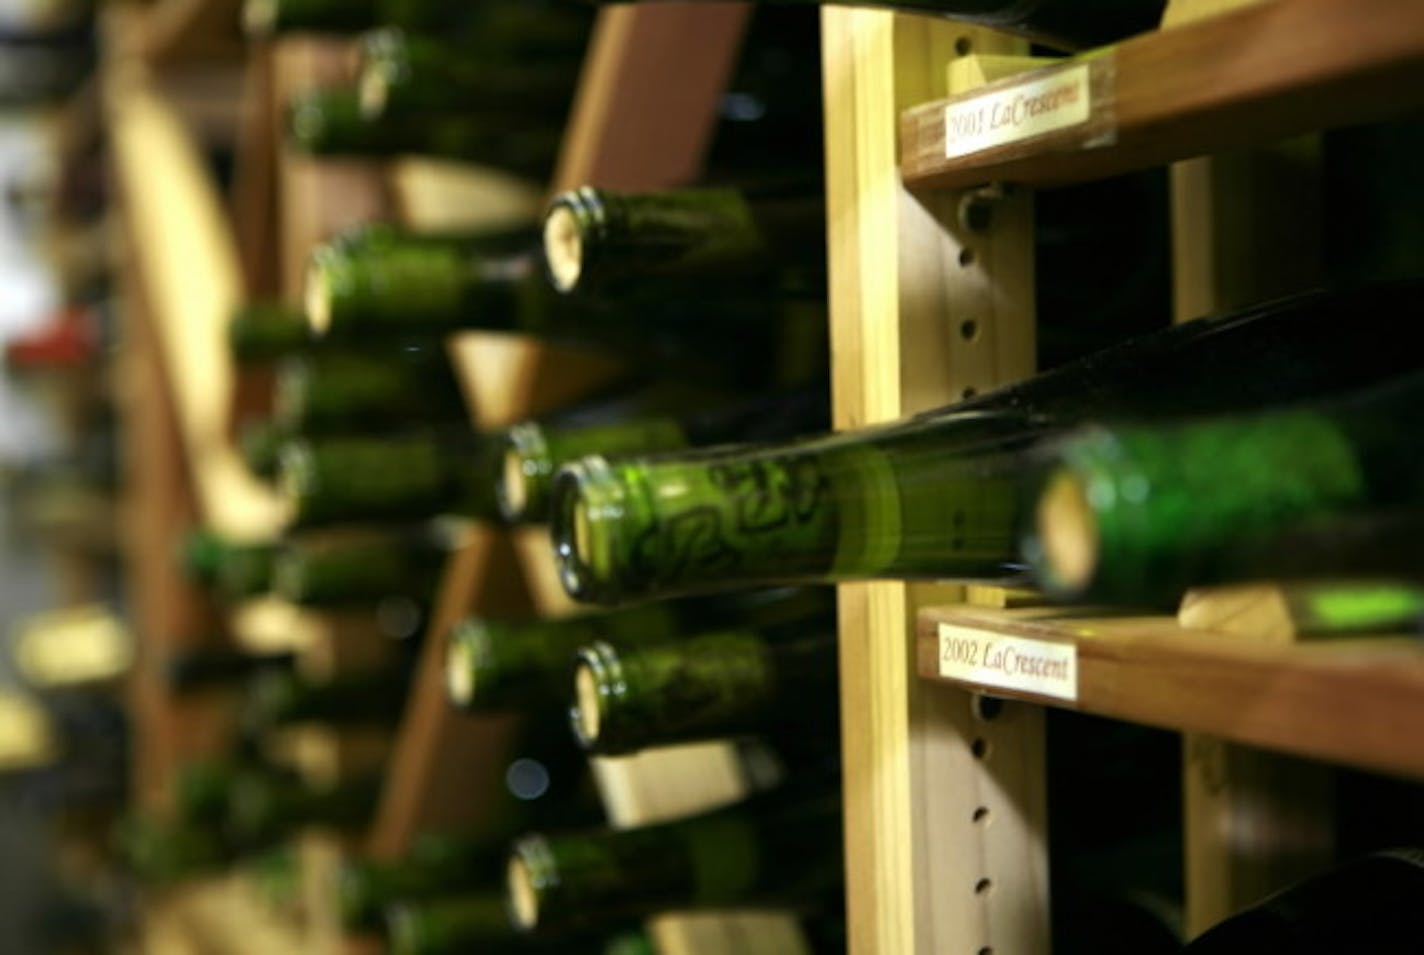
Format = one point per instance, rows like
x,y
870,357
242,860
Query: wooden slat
x,y
187,263
647,97
1151,670
445,771
1241,78
906,277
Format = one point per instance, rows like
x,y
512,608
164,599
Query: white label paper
x,y
1011,663
1018,112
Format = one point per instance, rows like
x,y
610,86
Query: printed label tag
x,y
1019,112
1012,663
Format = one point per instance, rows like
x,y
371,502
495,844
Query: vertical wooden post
x,y
931,297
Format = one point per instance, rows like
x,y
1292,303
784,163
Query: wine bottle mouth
x,y
460,679
316,297
523,892
513,489
587,713
1068,533
563,246
373,91
587,508
259,17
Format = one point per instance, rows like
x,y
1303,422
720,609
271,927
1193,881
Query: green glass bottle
x,y
277,699
398,477
942,495
728,683
777,850
335,391
1066,24
474,920
360,567
264,808
403,74
435,866
265,331
661,419
161,852
266,17
204,668
259,442
499,664
329,121
235,570
1143,512
1367,904
600,239
399,287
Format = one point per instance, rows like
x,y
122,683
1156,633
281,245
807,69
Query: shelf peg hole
x,y
963,46
969,392
987,708
983,886
986,950
966,257
980,748
981,815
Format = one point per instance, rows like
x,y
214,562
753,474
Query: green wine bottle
x,y
360,567
403,74
659,420
499,664
1065,24
235,570
259,443
204,668
435,866
277,699
263,332
264,808
1365,905
776,850
346,391
600,239
266,17
329,121
1142,513
941,495
399,477
398,288
474,920
729,683
161,852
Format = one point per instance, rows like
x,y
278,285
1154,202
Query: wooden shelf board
x,y
1353,701
1245,77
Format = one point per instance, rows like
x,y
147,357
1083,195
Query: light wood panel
x,y
187,263
908,276
1245,77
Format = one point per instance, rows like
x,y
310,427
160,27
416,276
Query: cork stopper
x,y
583,533
459,672
586,703
563,247
259,17
513,491
523,899
373,92
1068,532
317,299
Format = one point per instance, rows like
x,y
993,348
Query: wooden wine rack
x,y
931,299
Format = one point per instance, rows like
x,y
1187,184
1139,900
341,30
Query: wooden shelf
x,y
1352,701
1245,77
